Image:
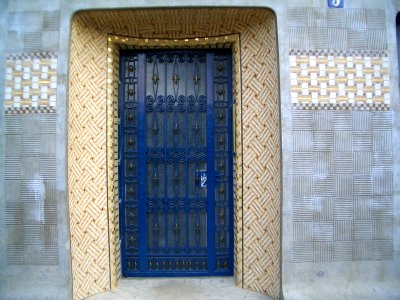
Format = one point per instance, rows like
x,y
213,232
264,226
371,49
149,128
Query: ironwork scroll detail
x,y
176,205
221,135
129,116
174,144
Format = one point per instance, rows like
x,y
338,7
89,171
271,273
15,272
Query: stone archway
x,y
91,161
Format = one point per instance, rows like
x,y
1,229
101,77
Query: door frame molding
x,y
116,44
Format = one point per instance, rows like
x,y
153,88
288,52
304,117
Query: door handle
x,y
201,178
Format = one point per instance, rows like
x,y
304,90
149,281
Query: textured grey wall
x,y
342,186
342,157
35,261
341,213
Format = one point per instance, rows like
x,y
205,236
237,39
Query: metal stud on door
x,y
176,163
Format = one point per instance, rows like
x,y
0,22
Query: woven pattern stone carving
x,y
260,115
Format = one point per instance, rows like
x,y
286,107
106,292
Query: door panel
x,y
176,163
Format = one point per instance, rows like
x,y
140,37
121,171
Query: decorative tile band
x,y
341,106
29,110
338,52
221,41
31,55
328,79
31,82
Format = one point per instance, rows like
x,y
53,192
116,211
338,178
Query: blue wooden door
x,y
175,152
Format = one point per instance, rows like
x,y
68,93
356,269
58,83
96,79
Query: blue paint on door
x,y
176,163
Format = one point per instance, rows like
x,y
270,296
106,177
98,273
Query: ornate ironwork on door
x,y
175,152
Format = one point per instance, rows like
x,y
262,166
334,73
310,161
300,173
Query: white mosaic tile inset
x,y
339,78
31,81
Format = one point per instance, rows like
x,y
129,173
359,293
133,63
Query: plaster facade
x,y
319,119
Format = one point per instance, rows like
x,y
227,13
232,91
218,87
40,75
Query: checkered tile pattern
x,y
342,185
322,79
29,110
31,31
30,204
344,29
31,82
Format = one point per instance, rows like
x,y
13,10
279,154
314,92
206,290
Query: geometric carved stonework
x,y
257,264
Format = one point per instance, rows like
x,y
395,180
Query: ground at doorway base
x,y
213,288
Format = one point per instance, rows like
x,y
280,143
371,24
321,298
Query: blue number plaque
x,y
336,3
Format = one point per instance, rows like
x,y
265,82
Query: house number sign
x,y
335,3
